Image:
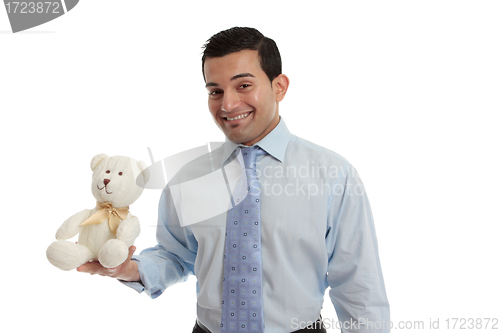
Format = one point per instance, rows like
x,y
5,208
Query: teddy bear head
x,y
117,179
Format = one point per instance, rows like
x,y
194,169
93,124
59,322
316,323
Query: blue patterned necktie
x,y
242,306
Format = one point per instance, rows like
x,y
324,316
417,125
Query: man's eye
x,y
214,93
244,86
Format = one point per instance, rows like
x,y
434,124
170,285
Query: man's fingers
x,y
95,267
90,267
82,269
131,251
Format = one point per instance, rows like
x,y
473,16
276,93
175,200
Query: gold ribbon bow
x,y
107,211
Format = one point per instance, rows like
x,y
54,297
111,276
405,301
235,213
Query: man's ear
x,y
280,86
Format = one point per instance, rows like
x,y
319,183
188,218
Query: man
x,y
311,229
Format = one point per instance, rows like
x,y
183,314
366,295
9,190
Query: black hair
x,y
239,39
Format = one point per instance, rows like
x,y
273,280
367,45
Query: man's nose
x,y
231,101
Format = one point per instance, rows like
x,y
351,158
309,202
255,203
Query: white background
x,y
407,91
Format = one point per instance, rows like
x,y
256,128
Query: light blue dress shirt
x,y
317,231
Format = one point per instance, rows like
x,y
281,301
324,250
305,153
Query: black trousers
x,y
317,327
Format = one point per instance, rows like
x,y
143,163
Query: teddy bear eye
x,y
108,171
120,173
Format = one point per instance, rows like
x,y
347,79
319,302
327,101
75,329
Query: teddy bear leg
x,y
67,255
113,253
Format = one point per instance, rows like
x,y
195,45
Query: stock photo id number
x,y
25,15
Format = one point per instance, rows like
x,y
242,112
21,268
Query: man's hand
x,y
127,271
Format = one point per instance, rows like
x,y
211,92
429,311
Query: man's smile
x,y
241,116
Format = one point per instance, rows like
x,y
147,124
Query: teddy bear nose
x,y
106,181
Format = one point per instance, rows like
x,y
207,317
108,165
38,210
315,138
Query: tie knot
x,y
250,155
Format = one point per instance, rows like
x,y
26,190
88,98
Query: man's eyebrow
x,y
237,76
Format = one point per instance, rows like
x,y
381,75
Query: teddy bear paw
x,y
113,253
67,255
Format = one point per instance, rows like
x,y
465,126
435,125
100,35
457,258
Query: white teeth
x,y
239,117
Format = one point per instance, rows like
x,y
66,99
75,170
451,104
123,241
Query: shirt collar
x,y
274,143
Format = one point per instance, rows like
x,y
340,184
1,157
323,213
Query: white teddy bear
x,y
107,231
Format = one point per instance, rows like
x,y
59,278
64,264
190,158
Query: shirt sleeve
x,y
354,273
172,259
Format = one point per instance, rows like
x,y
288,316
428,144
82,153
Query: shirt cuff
x,y
136,285
150,277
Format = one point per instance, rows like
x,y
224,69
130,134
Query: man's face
x,y
241,100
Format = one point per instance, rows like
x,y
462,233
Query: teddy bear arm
x,y
128,230
71,226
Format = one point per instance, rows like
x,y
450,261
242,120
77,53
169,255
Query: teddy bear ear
x,y
96,160
144,171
